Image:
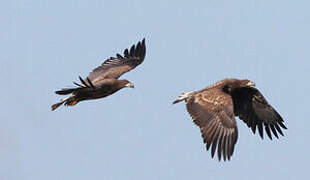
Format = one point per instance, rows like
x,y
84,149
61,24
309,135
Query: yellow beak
x,y
250,83
129,85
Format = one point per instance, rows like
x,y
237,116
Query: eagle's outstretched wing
x,y
114,67
212,111
251,106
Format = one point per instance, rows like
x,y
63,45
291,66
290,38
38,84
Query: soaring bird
x,y
103,80
214,108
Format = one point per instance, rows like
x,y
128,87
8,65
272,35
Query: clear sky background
x,y
136,133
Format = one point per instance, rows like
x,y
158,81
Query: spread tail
x,y
182,97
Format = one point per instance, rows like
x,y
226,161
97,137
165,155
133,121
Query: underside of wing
x,y
212,111
251,106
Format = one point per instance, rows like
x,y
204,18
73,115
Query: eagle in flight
x,y
214,108
103,80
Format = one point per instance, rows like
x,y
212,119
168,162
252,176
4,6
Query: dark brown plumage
x,y
214,108
103,80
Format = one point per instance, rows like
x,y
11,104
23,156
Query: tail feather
x,y
55,106
69,101
182,97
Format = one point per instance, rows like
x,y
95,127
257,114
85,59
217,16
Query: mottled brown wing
x,y
114,67
212,111
251,106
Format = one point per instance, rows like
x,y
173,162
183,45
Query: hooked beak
x,y
129,85
250,83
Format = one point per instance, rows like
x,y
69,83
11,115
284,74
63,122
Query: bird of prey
x,y
103,80
214,108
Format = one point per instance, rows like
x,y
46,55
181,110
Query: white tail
x,y
182,97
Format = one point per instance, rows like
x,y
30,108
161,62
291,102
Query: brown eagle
x,y
214,108
103,80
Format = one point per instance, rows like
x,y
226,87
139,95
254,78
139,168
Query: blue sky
x,y
137,133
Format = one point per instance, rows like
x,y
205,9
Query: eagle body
x,y
103,80
108,87
214,108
